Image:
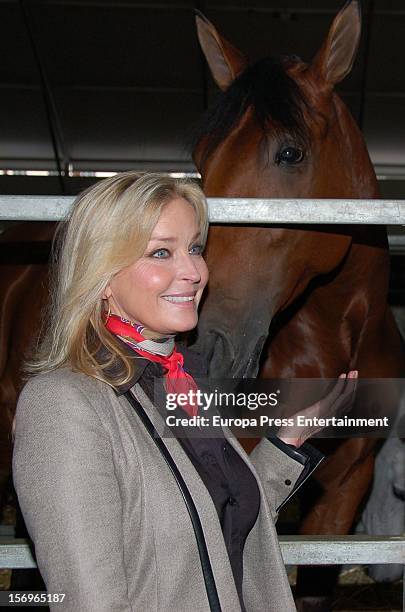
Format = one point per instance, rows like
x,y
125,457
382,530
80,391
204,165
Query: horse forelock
x,y
274,97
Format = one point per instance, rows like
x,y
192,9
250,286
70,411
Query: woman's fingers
x,y
350,389
337,390
343,391
351,382
344,388
340,397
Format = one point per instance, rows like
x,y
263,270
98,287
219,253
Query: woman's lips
x,y
181,299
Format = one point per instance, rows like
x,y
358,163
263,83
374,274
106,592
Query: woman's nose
x,y
188,268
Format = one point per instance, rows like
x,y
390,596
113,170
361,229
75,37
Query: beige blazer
x,y
109,525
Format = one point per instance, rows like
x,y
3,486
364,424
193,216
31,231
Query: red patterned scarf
x,y
176,378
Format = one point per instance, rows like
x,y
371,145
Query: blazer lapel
x,y
206,509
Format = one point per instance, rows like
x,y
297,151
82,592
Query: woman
x,y
99,494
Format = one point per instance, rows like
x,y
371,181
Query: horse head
x,y
278,130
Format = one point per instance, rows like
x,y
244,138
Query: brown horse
x,y
24,250
307,301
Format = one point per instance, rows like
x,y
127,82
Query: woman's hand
x,y
337,400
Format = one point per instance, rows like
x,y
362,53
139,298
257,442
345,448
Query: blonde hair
x,y
107,229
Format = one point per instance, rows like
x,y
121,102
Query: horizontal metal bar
x,y
306,211
342,550
15,554
397,244
34,208
235,210
384,172
296,550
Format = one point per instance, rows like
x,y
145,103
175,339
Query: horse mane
x,y
269,90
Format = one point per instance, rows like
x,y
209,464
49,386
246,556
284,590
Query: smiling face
x,y
163,288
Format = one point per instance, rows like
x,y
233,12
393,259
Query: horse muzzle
x,y
226,361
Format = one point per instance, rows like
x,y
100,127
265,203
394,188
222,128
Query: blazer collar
x,y
193,363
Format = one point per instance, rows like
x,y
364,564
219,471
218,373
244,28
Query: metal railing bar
x,y
296,550
235,210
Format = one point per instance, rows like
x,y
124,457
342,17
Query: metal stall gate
x,y
296,550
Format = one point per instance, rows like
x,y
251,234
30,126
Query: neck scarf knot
x,y
177,380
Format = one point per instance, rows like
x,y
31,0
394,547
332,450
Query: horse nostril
x,y
219,355
399,492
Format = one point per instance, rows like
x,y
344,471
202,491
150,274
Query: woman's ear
x,y
107,293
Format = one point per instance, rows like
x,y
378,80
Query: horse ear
x,y
224,60
335,58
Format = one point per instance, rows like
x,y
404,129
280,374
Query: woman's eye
x,y
196,249
289,155
160,254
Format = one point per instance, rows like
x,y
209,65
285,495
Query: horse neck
x,y
361,285
369,242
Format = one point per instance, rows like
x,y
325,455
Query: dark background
x,y
89,86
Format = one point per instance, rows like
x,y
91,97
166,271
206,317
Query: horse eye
x,y
289,155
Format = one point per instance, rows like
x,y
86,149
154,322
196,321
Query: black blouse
x,y
234,491
229,481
